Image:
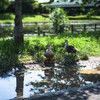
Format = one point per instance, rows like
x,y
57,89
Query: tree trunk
x,y
19,84
18,31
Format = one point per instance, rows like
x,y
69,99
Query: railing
x,y
75,27
94,26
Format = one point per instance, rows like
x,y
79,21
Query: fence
x,y
93,25
75,27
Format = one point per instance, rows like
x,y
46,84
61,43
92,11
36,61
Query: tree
x,y
51,1
3,5
18,32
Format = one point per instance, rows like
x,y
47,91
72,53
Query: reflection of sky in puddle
x,y
8,85
41,81
32,75
7,88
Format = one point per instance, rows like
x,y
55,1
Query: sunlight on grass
x,y
86,43
83,16
9,18
36,18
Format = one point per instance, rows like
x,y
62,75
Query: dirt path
x,y
91,63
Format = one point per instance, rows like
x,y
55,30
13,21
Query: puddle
x,y
38,81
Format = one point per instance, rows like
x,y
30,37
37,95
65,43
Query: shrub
x,y
59,21
82,55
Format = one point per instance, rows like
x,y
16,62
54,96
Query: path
x,y
92,62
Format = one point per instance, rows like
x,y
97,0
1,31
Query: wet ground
x,y
35,80
90,92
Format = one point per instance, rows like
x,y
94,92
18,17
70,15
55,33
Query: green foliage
x,y
50,1
90,13
12,55
8,62
65,58
6,16
82,55
8,54
59,21
3,5
29,7
70,59
7,30
9,18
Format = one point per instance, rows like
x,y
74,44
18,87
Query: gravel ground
x,y
91,63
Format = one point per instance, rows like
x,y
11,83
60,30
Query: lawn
x,y
9,18
87,44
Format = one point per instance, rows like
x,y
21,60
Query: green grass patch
x,y
9,18
11,55
35,18
84,17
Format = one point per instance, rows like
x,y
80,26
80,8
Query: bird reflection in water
x,y
43,85
49,73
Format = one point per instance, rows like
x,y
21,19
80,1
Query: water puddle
x,y
37,81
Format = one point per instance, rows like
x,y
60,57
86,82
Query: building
x,y
75,3
72,7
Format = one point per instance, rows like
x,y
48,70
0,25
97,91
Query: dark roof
x,y
68,4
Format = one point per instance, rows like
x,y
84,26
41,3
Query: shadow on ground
x,y
88,93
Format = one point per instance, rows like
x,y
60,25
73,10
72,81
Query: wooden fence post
x,y
95,27
43,33
36,23
38,30
84,27
72,29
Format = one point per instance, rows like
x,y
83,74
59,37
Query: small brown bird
x,y
70,48
49,53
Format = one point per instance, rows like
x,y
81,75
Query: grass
x,y
9,18
11,55
83,16
35,18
